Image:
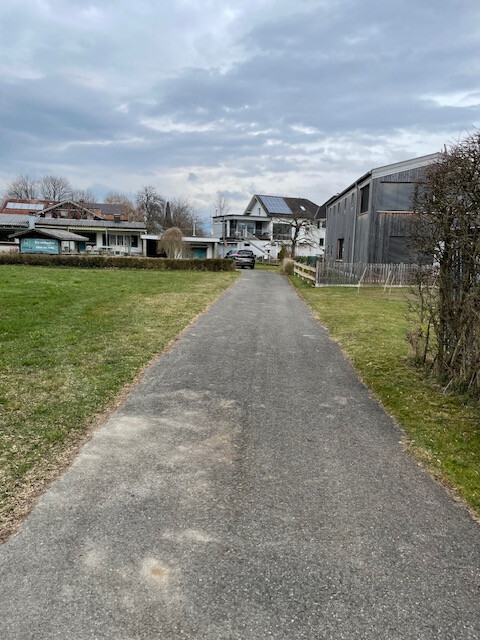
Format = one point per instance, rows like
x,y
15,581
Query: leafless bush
x,y
448,232
172,243
287,266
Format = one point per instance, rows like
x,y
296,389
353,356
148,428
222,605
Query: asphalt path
x,y
249,487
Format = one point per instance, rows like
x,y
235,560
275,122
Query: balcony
x,y
246,235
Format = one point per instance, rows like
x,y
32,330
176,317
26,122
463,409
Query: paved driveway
x,y
249,488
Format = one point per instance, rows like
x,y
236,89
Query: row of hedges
x,y
109,262
311,261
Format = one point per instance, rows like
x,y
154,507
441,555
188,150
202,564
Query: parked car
x,y
231,254
245,258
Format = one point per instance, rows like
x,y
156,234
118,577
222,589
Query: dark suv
x,y
243,258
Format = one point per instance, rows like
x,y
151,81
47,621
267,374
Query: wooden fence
x,y
304,271
334,273
358,273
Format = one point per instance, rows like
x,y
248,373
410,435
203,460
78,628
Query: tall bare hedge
x,y
448,231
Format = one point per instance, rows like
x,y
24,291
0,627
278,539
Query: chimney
x,y
32,218
116,217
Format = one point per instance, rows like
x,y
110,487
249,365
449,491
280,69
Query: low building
x,y
49,241
371,220
195,246
270,223
113,237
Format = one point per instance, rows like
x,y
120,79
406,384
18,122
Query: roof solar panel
x,y
25,206
275,204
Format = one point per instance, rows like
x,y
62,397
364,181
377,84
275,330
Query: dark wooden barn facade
x,y
371,220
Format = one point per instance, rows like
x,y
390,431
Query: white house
x,y
270,223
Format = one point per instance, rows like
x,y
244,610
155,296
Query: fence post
x,y
360,281
386,281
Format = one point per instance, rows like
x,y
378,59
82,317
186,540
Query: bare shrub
x,y
287,266
172,242
448,232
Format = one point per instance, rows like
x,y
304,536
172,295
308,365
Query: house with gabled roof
x,y
272,222
70,209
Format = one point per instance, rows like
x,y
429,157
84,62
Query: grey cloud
x,y
338,71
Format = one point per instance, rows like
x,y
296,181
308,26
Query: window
x,y
340,247
282,231
134,241
321,242
396,196
112,239
345,205
352,201
120,241
364,198
5,235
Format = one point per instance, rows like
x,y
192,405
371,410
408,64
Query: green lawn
x,y
70,339
443,430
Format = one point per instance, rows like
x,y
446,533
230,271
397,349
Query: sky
x,y
201,98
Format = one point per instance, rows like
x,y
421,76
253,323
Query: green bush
x,y
282,254
110,262
311,261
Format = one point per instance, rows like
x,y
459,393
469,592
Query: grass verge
x,y
70,340
443,431
267,267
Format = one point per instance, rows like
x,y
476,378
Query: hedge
x,y
311,261
109,262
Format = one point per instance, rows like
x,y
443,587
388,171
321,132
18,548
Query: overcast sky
x,y
197,97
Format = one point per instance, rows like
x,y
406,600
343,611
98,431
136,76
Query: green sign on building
x,y
38,245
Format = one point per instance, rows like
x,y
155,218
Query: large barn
x,y
371,220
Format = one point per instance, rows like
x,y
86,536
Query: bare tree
x,y
222,205
82,195
186,216
160,214
151,206
22,187
448,233
55,188
129,209
300,230
172,242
